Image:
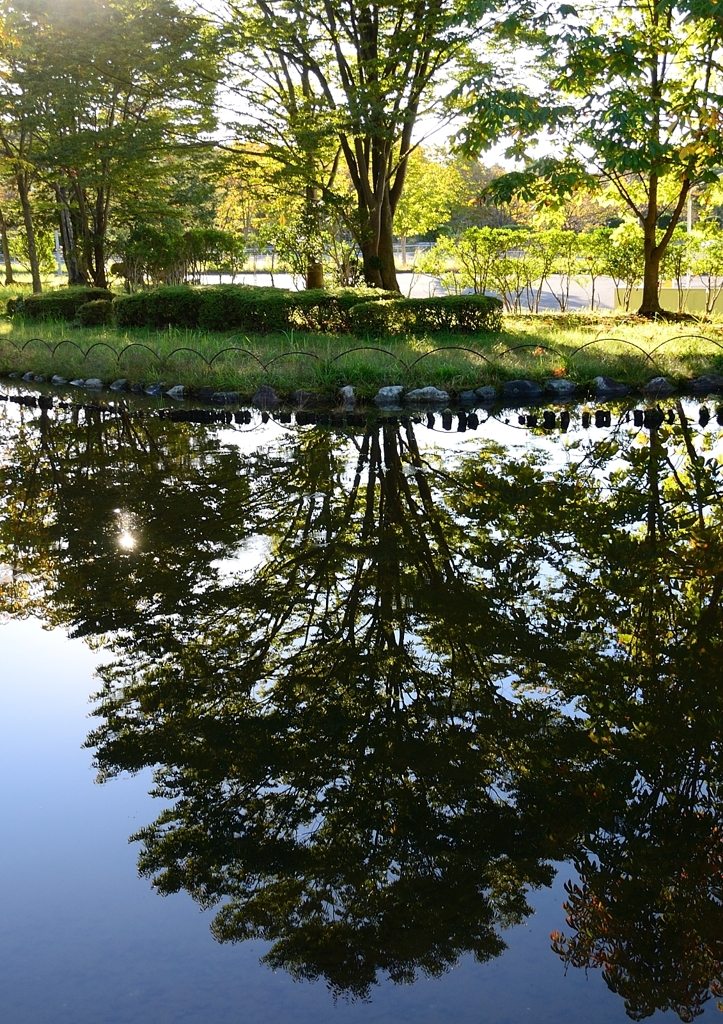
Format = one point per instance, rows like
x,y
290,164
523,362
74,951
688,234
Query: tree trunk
x,y
99,277
23,192
386,247
372,265
76,275
9,279
314,275
377,245
650,304
82,232
314,267
654,250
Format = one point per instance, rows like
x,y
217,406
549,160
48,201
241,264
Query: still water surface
x,y
391,688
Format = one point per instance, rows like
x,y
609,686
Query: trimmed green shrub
x,y
238,307
170,306
61,304
322,311
461,314
96,314
261,309
229,307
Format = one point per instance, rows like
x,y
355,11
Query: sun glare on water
x,y
126,539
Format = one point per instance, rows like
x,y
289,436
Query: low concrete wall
x,y
693,299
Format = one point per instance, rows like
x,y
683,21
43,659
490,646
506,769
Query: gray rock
x,y
707,384
427,396
78,382
468,398
58,380
119,385
487,394
347,396
40,379
155,390
177,392
15,374
226,397
137,389
95,383
265,398
522,389
305,399
658,386
560,388
608,386
391,395
29,376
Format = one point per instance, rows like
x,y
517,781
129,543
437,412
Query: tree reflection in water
x,y
433,678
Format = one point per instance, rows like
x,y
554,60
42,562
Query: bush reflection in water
x,y
384,689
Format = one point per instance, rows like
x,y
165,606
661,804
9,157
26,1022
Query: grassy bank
x,y
579,346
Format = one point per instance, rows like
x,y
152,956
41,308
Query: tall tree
x,y
636,101
110,86
367,73
19,126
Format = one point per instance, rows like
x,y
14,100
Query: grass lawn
x,y
576,345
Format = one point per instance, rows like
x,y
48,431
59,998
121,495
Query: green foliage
x,y
209,249
265,310
431,190
101,92
625,259
463,314
98,313
172,306
147,255
638,87
63,304
547,182
706,261
157,255
241,307
44,251
514,262
326,83
466,261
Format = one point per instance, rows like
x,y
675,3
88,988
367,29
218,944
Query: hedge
x,y
98,313
243,307
265,310
171,306
231,307
317,310
260,309
61,304
461,314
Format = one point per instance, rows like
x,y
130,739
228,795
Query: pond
x,y
405,723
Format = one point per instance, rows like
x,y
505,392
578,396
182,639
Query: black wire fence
x,y
163,359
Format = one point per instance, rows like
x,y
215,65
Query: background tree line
x,y
127,125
